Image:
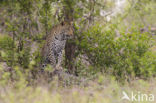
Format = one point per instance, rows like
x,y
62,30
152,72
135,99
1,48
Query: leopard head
x,y
68,30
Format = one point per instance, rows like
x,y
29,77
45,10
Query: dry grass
x,y
102,90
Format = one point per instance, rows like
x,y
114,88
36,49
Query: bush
x,y
7,45
124,56
10,55
24,57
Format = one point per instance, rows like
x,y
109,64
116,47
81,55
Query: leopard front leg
x,y
59,59
52,59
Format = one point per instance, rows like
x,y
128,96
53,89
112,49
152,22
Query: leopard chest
x,y
58,45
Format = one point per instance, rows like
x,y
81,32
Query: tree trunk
x,y
70,56
70,47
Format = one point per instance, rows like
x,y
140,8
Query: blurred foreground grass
x,y
102,90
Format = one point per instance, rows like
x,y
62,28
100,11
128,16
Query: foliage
x,y
110,56
123,56
24,57
8,54
117,47
7,45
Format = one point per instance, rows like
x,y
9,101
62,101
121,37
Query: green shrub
x,y
7,46
124,56
10,55
24,57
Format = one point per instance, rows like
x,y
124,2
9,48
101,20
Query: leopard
x,y
52,51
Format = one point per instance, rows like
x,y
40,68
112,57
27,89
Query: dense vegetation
x,y
109,49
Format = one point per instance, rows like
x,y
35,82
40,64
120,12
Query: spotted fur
x,y
55,43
